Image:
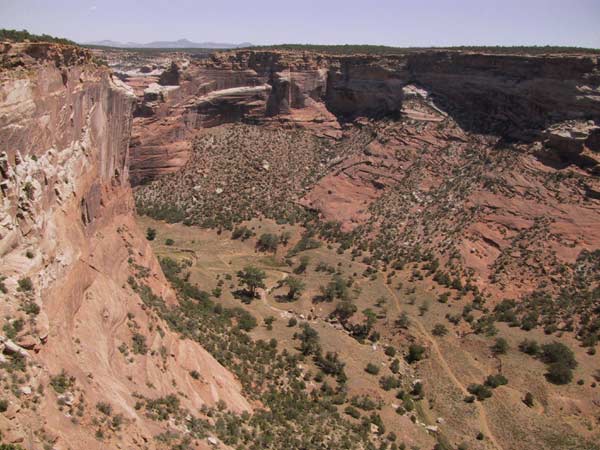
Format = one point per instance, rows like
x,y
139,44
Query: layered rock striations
x,y
69,247
514,96
488,161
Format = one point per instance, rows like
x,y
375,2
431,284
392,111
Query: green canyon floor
x,y
455,357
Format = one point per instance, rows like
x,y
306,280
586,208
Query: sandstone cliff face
x,y
466,152
68,244
511,96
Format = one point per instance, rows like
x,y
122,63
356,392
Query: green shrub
x,y
480,391
139,345
352,412
267,242
439,330
389,382
559,373
25,284
150,234
494,381
500,347
372,369
415,353
62,382
557,352
530,347
104,408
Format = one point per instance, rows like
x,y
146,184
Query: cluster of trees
x,y
559,358
350,49
24,35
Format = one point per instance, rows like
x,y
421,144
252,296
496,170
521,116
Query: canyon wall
x,y
69,248
512,96
470,156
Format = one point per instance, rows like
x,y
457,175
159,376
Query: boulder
x,y
11,348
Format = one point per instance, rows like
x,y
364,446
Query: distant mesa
x,y
181,43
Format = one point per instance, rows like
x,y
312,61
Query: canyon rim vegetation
x,y
299,247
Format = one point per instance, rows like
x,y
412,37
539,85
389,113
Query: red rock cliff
x,y
68,243
508,95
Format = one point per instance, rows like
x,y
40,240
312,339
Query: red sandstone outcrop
x,y
438,174
66,224
514,96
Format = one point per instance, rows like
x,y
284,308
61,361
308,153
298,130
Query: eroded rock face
x,y
451,153
513,96
66,225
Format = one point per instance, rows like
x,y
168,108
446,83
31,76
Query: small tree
x,y
559,373
372,369
528,400
557,352
150,234
252,278
500,347
403,321
267,242
439,330
344,310
269,322
530,347
284,238
415,353
296,286
304,260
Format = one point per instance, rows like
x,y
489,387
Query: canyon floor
x,y
299,249
559,418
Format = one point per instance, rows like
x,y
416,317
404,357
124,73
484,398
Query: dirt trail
x,y
264,292
483,420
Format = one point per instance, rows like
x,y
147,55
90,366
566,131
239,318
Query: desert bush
x,y
500,346
389,382
530,347
139,345
267,242
480,391
104,408
25,284
494,381
415,353
372,369
150,234
559,373
439,330
62,382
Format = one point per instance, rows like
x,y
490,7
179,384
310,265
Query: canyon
x,y
471,124
464,173
68,227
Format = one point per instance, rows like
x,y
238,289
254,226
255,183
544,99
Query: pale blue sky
x,y
388,22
